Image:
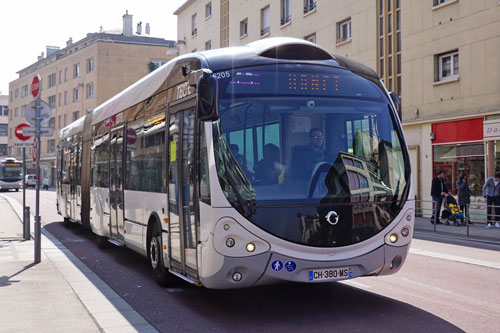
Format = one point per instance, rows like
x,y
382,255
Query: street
x,y
441,287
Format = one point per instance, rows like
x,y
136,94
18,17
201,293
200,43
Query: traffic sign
x,y
44,131
35,86
131,136
30,113
19,132
35,150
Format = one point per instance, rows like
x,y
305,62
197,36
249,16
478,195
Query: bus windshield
x,y
314,137
11,172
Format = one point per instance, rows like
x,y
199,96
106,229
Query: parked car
x,y
30,180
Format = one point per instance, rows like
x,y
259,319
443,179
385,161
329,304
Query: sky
x,y
28,26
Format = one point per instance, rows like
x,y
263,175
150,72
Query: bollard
x,y
26,230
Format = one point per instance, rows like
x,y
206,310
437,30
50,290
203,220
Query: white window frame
x,y
286,11
194,24
311,38
52,80
208,10
265,21
309,6
76,94
208,45
90,90
24,91
244,27
76,70
90,65
341,25
453,75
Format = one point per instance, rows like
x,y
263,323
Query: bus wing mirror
x,y
207,101
397,103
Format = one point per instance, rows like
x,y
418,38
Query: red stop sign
x,y
35,86
19,132
131,136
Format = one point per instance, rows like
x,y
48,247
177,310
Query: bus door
x,y
72,181
181,180
116,184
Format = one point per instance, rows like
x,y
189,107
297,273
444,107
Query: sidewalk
x,y
476,231
60,294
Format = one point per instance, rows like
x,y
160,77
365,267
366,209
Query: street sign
x,y
35,86
19,132
30,113
131,136
35,150
44,131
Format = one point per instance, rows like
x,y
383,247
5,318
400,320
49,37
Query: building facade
x,y
440,56
79,77
4,126
451,90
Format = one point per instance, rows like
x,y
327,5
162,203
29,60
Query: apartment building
x,y
451,90
79,77
439,56
341,27
4,130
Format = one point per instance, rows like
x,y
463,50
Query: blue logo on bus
x,y
277,265
290,266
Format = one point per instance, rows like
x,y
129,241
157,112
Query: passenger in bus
x,y
304,158
269,169
242,161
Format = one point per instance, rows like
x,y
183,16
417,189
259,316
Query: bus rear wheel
x,y
161,274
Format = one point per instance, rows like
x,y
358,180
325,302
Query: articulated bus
x,y
245,166
11,174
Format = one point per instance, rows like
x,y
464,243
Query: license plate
x,y
330,274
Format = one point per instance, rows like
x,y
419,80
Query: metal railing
x,y
309,6
286,19
265,31
454,223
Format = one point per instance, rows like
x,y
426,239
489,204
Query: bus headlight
x,y
250,247
393,238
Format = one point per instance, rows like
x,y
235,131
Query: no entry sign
x,y
19,132
35,86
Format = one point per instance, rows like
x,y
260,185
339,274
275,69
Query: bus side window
x,y
135,156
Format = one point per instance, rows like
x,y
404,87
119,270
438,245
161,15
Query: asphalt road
x,y
441,288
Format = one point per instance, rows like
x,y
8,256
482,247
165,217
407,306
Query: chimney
x,y
139,28
69,42
127,24
51,50
148,29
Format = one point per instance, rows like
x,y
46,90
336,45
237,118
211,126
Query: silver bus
x,y
245,166
11,174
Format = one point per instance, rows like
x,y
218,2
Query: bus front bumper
x,y
272,268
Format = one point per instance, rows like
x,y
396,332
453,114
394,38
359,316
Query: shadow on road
x,y
291,307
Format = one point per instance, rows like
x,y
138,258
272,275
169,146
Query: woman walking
x,y
464,196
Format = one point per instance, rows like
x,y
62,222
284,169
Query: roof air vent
x,y
289,49
297,52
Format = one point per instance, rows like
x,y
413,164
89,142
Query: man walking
x,y
491,194
438,191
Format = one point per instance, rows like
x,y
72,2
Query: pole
x,y
26,220
38,245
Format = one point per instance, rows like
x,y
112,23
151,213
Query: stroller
x,y
452,212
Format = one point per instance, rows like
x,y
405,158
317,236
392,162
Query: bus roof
x,y
261,52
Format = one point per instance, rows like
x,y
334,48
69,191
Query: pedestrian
x,y
464,196
46,183
438,192
491,194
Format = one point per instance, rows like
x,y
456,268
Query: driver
x,y
304,158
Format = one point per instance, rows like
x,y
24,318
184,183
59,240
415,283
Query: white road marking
x,y
455,258
356,284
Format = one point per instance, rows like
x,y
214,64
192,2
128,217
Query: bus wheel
x,y
17,190
162,276
102,242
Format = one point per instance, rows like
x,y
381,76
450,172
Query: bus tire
x,y
102,242
17,190
161,274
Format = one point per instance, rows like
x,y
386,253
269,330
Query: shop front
x,y
459,147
